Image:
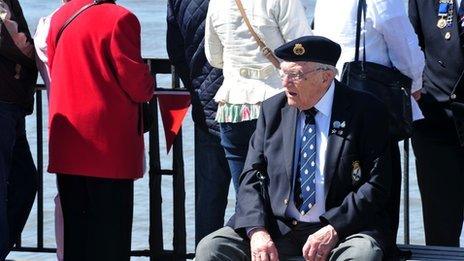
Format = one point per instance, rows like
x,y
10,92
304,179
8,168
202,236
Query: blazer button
x,y
447,36
294,222
286,201
453,96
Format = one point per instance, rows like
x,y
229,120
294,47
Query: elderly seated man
x,y
314,185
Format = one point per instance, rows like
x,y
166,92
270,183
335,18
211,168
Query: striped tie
x,y
305,182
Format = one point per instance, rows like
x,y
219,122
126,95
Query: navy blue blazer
x,y
442,48
442,101
353,204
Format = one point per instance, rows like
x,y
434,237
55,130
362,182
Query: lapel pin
x,y
337,127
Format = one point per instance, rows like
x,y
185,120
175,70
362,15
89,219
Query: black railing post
x,y
39,125
179,237
156,220
178,182
406,190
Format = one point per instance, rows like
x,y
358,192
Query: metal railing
x,y
156,249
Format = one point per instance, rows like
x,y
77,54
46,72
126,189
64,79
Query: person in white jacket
x,y
249,77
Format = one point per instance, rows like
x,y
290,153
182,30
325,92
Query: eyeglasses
x,y
296,76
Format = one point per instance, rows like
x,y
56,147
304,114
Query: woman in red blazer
x,y
98,82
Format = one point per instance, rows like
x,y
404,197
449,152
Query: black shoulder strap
x,y
70,19
459,83
360,14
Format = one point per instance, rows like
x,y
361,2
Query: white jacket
x,y
249,78
390,37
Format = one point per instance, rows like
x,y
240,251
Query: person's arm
x,y
9,48
291,18
50,42
23,38
250,214
40,45
213,45
353,214
175,44
131,72
249,210
415,20
402,42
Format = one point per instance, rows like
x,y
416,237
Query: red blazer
x,y
98,81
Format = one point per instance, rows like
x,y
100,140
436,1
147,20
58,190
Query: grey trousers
x,y
225,244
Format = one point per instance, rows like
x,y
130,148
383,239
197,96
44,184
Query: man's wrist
x,y
251,230
332,230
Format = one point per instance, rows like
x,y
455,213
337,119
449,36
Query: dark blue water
x,y
152,15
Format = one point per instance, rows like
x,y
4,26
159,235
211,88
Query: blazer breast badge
x,y
356,172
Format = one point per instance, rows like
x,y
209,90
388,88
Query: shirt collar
x,y
324,105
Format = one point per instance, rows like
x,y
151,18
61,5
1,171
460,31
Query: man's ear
x,y
328,76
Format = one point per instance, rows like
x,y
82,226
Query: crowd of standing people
x,y
316,172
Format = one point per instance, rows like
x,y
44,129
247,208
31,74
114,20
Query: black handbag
x,y
386,84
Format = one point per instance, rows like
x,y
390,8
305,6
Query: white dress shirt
x,y
249,77
390,37
322,118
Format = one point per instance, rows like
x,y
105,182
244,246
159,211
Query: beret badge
x,y
299,49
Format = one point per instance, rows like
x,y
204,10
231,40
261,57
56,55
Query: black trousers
x,y
18,176
97,217
393,204
440,175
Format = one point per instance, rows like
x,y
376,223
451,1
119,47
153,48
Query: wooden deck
x,y
433,253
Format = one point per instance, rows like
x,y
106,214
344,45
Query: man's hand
x,y
262,246
23,45
319,244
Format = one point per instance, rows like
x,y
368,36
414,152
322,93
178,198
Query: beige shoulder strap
x,y
264,49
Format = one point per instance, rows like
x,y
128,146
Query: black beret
x,y
310,49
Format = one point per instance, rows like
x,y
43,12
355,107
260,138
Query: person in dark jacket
x,y
438,139
185,44
18,74
315,184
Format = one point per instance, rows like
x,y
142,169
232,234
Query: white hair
x,y
318,66
326,67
